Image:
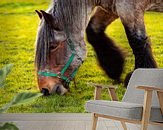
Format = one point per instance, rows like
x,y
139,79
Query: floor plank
x,y
57,121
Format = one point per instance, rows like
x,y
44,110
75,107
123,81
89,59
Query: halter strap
x,y
50,74
64,69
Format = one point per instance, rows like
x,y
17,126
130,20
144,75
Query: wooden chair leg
x,y
146,109
124,125
160,98
94,123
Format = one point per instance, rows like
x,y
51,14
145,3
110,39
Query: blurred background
x,y
18,28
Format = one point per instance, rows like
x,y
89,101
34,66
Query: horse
x,y
60,45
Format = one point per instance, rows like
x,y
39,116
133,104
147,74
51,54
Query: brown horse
x,y
60,46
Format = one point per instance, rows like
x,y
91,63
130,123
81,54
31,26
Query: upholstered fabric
x,y
125,110
116,109
143,77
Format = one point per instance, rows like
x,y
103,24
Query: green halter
x,y
64,69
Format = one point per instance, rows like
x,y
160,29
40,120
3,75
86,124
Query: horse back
x,y
156,5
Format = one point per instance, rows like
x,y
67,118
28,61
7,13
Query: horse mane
x,y
68,11
45,34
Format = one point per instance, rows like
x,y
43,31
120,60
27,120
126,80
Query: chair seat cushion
x,y
131,111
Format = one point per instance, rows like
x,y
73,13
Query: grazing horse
x,y
60,46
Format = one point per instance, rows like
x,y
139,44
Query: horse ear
x,y
39,14
48,17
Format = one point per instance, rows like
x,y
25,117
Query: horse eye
x,y
53,46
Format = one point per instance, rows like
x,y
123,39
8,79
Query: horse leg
x,y
132,18
110,57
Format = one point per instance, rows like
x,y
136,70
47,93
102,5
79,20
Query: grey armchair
x,y
141,104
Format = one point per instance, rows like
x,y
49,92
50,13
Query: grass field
x,y
18,27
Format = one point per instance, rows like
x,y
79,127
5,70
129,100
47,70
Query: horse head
x,y
56,61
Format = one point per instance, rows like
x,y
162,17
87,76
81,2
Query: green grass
x,y
18,27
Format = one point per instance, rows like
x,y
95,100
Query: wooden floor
x,y
53,121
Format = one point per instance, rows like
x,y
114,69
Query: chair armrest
x,y
98,89
148,100
101,85
150,88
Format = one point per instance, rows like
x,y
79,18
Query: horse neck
x,y
74,14
71,16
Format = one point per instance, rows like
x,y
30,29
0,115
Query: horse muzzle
x,y
57,89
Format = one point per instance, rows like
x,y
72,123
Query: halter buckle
x,y
59,75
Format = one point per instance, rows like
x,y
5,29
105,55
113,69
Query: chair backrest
x,y
143,77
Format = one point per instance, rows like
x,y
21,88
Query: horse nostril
x,y
58,90
45,92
